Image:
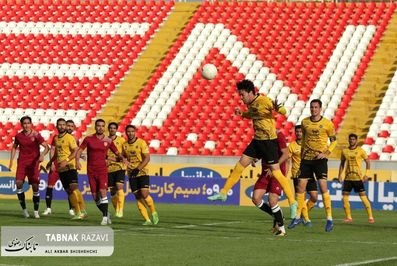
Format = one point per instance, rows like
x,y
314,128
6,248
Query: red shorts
x,y
30,170
53,177
98,180
270,184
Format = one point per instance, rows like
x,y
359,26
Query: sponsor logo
x,y
8,186
195,172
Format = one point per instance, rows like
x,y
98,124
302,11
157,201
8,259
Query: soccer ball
x,y
209,71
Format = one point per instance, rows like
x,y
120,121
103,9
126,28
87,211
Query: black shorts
x,y
116,177
267,150
68,177
311,185
139,182
317,168
357,185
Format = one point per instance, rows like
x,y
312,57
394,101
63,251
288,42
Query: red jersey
x,y
282,144
96,151
29,146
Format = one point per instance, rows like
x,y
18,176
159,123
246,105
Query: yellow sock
x,y
80,199
284,182
121,199
346,206
367,205
114,202
305,213
233,178
310,205
73,199
301,203
142,209
150,203
327,205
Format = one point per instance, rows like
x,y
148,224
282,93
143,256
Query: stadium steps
x,y
369,95
146,63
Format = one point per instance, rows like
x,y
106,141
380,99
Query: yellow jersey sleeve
x,y
134,153
261,113
315,137
112,165
65,146
294,150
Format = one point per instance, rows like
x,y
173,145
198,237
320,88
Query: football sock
x,y
233,178
48,197
114,201
104,206
278,215
305,213
301,203
310,205
327,205
120,199
346,206
367,205
36,200
150,203
142,209
284,182
264,206
21,198
80,199
73,199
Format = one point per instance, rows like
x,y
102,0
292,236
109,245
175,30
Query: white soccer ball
x,y
209,71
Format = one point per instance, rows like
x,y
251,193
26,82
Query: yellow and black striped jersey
x,y
112,165
261,113
134,154
353,163
64,147
315,137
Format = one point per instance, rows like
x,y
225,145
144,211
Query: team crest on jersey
x,y
321,126
105,144
32,138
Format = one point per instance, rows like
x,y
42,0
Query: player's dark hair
x,y
99,120
317,101
246,85
352,135
61,120
70,121
23,118
113,124
130,126
298,127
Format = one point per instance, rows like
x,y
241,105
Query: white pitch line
x,y
367,261
209,224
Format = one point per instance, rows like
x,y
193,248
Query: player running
x,y
116,171
354,179
97,147
264,145
65,152
266,183
28,141
137,153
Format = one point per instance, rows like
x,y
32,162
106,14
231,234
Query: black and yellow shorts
x,y
116,177
139,182
68,177
267,150
317,168
358,186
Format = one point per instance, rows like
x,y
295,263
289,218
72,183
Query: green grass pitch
x,y
220,235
